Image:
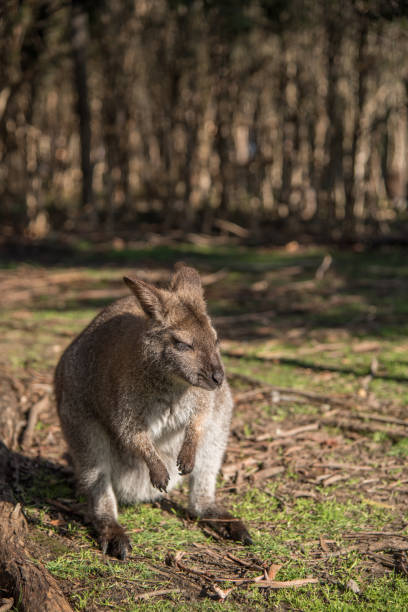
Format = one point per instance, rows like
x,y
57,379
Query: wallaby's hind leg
x,y
93,471
203,483
104,513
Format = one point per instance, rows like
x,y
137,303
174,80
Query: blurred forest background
x,y
270,119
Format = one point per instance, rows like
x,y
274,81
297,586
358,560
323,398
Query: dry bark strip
x,y
29,583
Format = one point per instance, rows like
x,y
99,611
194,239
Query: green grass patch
x,y
361,298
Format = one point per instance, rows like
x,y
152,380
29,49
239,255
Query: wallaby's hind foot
x,y
226,525
113,540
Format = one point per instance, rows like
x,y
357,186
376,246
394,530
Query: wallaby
x,y
142,399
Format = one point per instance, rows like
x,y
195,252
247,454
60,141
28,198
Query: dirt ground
x,y
315,347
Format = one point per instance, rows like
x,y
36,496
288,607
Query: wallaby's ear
x,y
187,283
149,297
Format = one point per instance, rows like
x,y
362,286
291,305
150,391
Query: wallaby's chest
x,y
166,415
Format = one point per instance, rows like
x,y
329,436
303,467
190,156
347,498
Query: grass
x,y
361,299
275,533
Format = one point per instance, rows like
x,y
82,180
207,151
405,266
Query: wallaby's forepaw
x,y
226,525
114,541
159,476
186,459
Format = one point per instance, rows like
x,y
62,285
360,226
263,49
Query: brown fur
x,y
141,393
186,456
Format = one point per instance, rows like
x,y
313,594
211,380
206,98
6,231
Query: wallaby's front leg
x,y
159,476
192,436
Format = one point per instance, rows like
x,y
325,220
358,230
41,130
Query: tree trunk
x,y
354,190
29,583
333,171
79,34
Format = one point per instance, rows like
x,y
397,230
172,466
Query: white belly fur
x,y
131,482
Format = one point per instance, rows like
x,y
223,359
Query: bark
x,y
28,582
30,585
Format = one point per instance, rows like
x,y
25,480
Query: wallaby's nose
x,y
218,376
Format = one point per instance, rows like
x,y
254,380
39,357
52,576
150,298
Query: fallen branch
x,y
248,564
289,433
278,393
350,425
286,584
34,413
367,549
150,594
384,546
381,418
370,534
317,367
266,388
334,465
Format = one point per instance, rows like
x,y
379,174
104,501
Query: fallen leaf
x,y
179,555
353,586
272,571
221,593
323,545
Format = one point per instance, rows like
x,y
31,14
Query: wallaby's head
x,y
180,338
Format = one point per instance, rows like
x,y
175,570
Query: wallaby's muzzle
x,y
218,376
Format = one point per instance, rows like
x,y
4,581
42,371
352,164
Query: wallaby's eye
x,y
182,346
